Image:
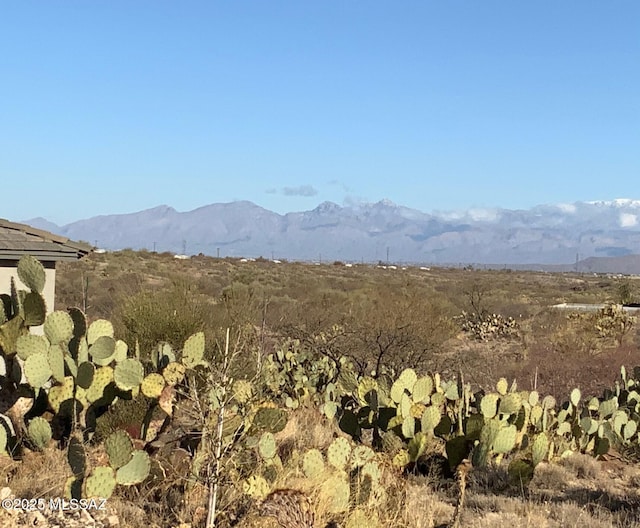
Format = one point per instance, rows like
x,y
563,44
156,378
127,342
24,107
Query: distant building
x,y
17,240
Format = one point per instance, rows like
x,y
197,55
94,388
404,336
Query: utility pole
x,y
184,247
218,252
387,255
154,247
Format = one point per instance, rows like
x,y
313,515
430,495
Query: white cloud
x,y
628,220
483,215
566,208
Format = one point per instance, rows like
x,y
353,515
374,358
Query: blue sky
x,y
117,106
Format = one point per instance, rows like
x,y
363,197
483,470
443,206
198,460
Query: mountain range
x,y
543,235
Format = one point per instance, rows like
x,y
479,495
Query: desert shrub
x,y
588,333
170,314
398,328
241,303
375,327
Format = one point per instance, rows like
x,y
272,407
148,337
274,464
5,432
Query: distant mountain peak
x,y
328,207
162,209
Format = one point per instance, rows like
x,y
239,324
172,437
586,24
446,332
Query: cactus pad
x,y
510,403
505,439
37,370
267,446
72,488
3,439
58,327
337,490
256,487
548,402
422,389
100,483
39,432
339,452
79,322
136,470
76,457
193,351
359,518
119,448
83,351
56,362
128,374
608,407
270,419
162,356
152,385
372,469
85,374
58,394
489,405
430,419
29,344
99,328
102,350
121,351
365,387
502,386
101,378
408,426
539,449
174,373
34,308
313,464
31,273
630,429
575,397
361,455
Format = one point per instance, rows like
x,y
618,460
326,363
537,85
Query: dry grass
x,y
549,354
37,475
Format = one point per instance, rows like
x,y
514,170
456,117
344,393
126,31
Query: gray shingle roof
x,y
17,240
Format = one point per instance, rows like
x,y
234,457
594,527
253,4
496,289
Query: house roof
x,y
17,240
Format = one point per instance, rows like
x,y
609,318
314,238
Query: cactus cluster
x,y
407,415
77,370
489,326
127,466
294,374
346,475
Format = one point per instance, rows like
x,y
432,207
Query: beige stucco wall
x,y
49,292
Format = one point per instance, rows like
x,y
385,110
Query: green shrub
x,y
170,315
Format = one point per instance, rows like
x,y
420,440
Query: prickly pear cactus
x,y
136,470
100,483
128,374
193,351
313,464
39,432
119,448
338,453
267,446
31,273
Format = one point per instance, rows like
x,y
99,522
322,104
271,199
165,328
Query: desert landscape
x,y
254,393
